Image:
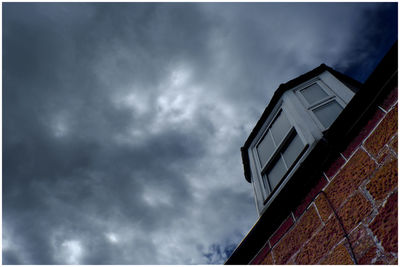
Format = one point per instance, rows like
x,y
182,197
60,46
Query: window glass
x,y
313,93
280,128
265,149
293,150
328,113
276,173
277,151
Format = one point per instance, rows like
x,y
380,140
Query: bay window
x,y
289,129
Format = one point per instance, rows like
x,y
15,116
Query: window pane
x,y
280,128
328,113
293,150
265,149
313,93
276,173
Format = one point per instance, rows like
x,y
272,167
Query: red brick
x,y
268,260
310,196
335,166
383,133
365,131
385,151
293,240
339,256
354,211
368,257
321,243
357,169
323,207
384,180
390,100
361,241
262,254
380,261
291,261
372,256
393,144
384,226
283,228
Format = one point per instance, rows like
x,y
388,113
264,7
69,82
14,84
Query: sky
x,y
122,123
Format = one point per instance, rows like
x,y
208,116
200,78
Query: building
x,y
322,160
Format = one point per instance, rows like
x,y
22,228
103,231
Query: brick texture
x,y
361,241
324,208
357,169
369,257
385,226
340,256
383,154
384,180
354,211
281,230
383,133
390,100
393,144
294,239
268,260
321,243
291,261
366,130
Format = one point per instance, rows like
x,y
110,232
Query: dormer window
x,y
322,103
290,127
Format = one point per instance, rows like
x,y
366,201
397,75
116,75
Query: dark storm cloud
x,y
364,56
123,122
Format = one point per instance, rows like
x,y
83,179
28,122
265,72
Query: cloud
x,y
123,122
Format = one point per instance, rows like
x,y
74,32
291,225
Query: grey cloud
x,y
123,122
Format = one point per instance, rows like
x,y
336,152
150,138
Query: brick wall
x,y
359,199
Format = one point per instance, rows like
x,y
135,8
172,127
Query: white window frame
x,y
267,190
331,96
